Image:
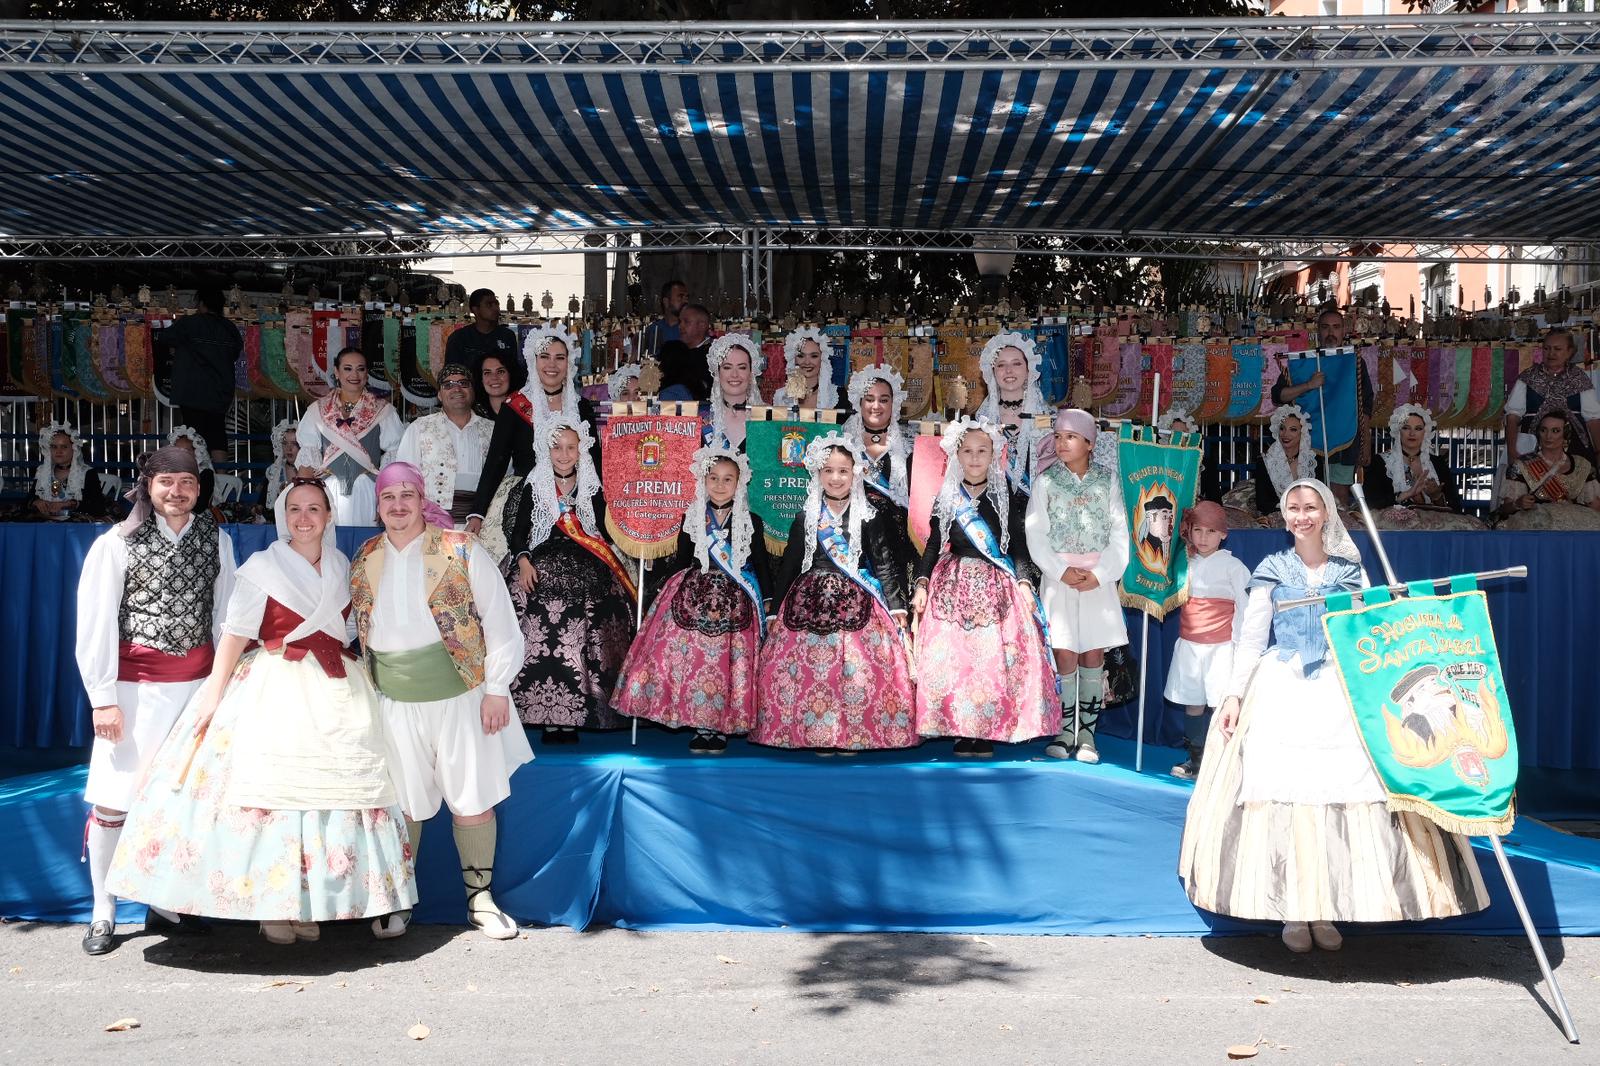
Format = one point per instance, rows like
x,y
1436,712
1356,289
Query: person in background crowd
x,y
1208,628
687,366
835,671
810,352
552,389
573,595
1288,821
65,486
449,446
285,454
694,663
276,777
442,646
1332,331
150,600
494,381
674,294
1552,385
485,337
984,671
346,436
205,347
1551,488
1077,534
193,442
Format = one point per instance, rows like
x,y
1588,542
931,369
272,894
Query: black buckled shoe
x,y
100,938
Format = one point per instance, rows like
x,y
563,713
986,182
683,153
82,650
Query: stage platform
x,y
654,838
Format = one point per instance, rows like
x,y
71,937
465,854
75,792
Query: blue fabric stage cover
x,y
653,838
1539,624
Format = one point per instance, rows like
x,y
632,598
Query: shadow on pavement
x,y
850,970
238,948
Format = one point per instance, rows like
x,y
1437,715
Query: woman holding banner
x,y
694,664
735,363
985,672
1009,364
1290,823
834,674
877,394
572,593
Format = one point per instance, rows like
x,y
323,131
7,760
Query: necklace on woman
x,y
831,498
1011,405
976,484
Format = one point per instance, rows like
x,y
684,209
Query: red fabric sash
x,y
141,664
522,405
569,524
1206,620
278,622
1553,489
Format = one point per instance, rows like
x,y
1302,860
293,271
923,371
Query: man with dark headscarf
x,y
150,601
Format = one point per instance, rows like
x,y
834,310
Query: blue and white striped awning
x,y
216,145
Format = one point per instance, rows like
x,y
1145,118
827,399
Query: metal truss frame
x,y
757,245
689,48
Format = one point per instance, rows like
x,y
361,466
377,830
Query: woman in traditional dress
x,y
1552,488
808,351
1009,364
1408,486
834,672
622,384
1288,821
65,486
735,363
551,389
1553,384
347,435
1078,538
876,395
573,594
694,664
285,459
189,439
271,799
985,672
1288,459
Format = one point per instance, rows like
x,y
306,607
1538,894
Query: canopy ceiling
x,y
1417,130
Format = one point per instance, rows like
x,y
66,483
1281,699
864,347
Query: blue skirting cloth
x,y
654,838
1541,625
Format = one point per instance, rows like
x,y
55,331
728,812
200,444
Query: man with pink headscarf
x,y
441,642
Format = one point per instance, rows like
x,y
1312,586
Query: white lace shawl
x,y
278,474
719,351
202,451
1394,460
546,506
1174,414
1335,537
899,450
827,392
860,511
618,379
47,474
950,491
695,522
1277,462
534,343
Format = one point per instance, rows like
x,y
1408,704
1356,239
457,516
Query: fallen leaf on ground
x,y
1005,1027
15,969
342,984
122,1025
418,1032
1403,984
1242,1051
980,940
472,988
1263,1000
727,961
298,986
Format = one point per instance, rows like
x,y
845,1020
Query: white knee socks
x,y
101,838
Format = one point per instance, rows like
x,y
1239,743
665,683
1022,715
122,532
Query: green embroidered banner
x,y
1158,484
1422,675
778,478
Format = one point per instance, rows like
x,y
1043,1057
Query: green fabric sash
x,y
421,675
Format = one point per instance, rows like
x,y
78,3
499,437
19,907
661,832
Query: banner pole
x,y
1559,1001
1322,417
638,624
1144,614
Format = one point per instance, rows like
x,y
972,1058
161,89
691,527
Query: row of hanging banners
x,y
108,355
1422,672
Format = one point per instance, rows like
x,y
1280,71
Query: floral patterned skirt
x,y
694,663
983,670
834,678
186,849
577,624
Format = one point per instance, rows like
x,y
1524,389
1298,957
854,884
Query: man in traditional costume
x,y
150,601
441,644
449,446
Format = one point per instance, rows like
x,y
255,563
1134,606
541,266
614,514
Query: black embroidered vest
x,y
167,596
